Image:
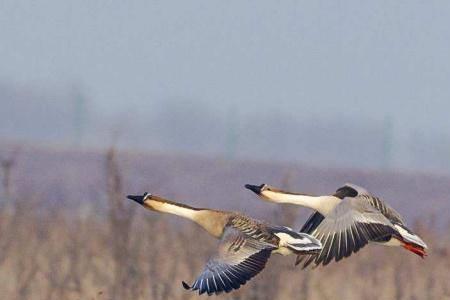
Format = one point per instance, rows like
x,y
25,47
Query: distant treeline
x,y
180,125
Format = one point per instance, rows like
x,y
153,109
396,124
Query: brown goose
x,y
346,221
245,243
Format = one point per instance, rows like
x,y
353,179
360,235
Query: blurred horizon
x,y
65,117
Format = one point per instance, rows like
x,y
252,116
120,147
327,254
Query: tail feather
x,y
411,241
409,237
310,248
300,243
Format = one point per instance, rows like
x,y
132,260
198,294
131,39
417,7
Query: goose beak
x,y
254,188
138,198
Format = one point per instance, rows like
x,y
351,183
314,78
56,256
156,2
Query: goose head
x,y
264,191
257,189
140,198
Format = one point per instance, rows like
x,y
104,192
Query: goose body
x,y
346,221
245,243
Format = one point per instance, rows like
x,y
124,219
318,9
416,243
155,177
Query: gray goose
x,y
245,243
346,221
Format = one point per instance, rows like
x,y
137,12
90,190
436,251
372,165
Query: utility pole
x,y
387,143
232,135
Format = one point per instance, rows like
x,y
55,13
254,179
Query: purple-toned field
x,y
71,178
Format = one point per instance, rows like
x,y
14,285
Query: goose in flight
x,y
245,243
346,221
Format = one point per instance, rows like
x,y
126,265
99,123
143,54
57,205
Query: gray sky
x,y
322,59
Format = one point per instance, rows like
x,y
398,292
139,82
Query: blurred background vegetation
x,y
67,231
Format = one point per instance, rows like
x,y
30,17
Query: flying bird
x,y
245,243
346,221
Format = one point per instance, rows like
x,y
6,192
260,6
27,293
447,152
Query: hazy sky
x,y
347,58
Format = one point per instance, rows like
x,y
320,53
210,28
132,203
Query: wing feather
x,y
239,258
347,229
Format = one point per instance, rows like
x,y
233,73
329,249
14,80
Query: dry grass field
x,y
68,232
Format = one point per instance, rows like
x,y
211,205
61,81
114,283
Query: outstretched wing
x,y
348,228
238,259
353,190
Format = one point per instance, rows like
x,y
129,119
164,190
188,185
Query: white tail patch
x,y
299,243
410,237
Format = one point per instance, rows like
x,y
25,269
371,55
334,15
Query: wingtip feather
x,y
186,286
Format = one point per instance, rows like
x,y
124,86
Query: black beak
x,y
254,188
138,198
